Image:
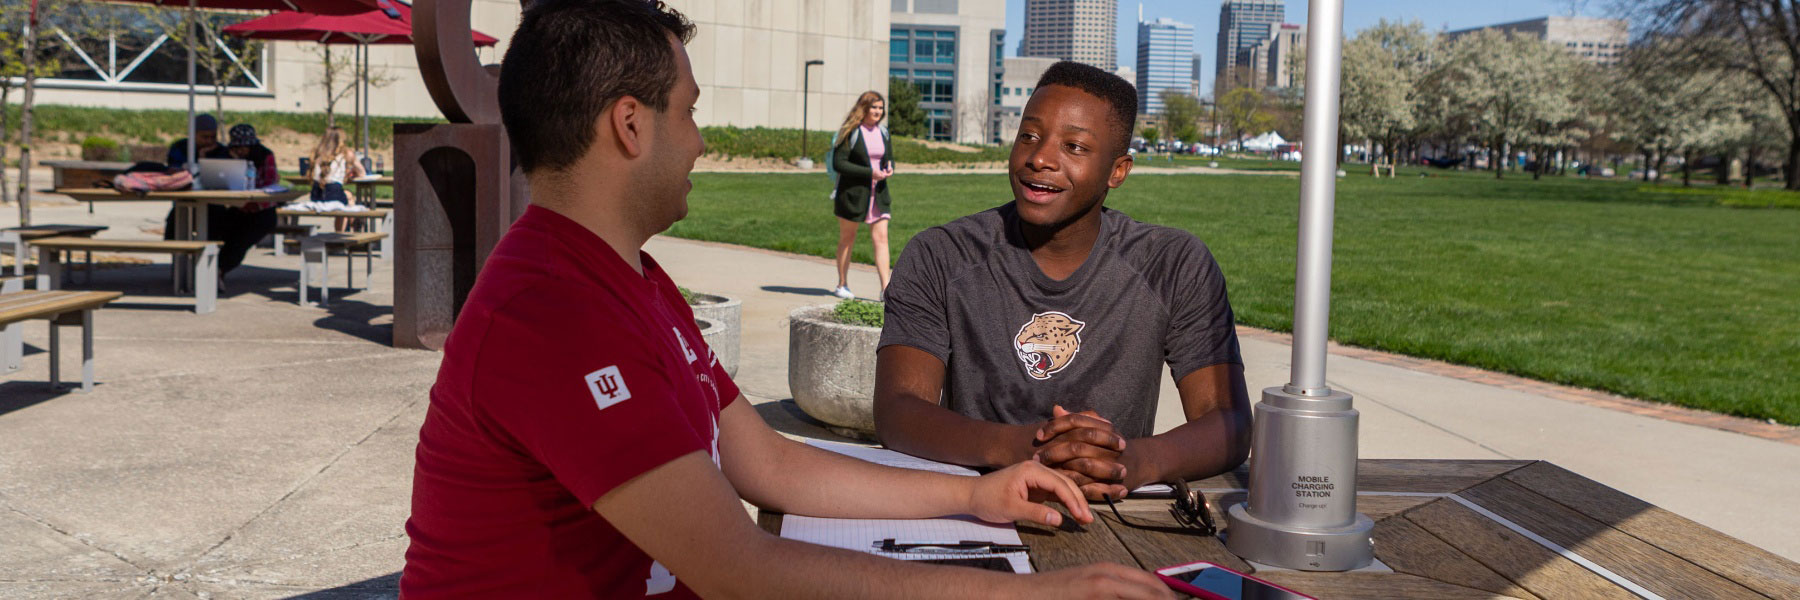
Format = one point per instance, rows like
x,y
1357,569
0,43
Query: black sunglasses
x,y
1190,509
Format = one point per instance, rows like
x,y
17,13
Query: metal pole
x,y
805,103
1318,189
193,163
805,161
1301,507
365,105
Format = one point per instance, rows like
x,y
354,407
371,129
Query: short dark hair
x,y
1107,86
571,59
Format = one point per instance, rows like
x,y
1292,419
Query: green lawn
x,y
1657,293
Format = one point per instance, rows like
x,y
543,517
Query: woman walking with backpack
x,y
861,160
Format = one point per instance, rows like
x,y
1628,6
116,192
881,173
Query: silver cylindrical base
x,y
1336,549
1301,512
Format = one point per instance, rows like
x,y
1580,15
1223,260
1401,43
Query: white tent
x,y
1264,143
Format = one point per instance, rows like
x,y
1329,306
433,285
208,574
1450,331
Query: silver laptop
x,y
226,174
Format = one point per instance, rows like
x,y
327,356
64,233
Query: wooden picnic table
x,y
1457,529
365,187
190,205
380,220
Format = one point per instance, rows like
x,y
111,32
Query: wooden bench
x,y
12,342
315,249
60,308
282,232
204,253
17,240
375,219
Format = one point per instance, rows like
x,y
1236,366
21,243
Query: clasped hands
x,y
1083,447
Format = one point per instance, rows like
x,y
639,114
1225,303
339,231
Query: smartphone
x,y
1213,582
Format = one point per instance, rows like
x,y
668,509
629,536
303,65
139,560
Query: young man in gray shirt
x,y
1038,330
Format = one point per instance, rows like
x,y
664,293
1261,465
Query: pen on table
x,y
962,547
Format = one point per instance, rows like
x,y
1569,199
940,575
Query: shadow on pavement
x,y
385,586
786,417
354,318
799,291
17,395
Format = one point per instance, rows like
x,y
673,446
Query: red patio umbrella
x,y
334,7
392,25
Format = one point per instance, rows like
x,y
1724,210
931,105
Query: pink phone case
x,y
1185,588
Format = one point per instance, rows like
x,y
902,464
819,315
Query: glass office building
x,y
1165,61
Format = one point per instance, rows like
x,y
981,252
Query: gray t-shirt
x,y
1015,342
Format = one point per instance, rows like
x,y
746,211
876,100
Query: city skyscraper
x,y
1165,61
1243,25
1084,31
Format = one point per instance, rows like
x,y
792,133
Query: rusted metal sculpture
x,y
455,187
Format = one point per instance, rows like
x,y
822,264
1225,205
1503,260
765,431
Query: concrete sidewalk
x,y
266,450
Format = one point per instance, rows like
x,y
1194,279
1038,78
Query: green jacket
x,y
851,160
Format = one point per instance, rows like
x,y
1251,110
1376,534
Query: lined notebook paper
x,y
862,534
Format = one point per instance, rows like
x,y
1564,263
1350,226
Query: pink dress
x,y
877,150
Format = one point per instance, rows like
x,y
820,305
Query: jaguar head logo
x,y
1047,343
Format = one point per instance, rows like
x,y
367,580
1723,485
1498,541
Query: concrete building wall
x,y
1084,31
747,56
1600,41
1276,59
978,27
1019,81
1243,25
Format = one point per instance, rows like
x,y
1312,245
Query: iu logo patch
x,y
1048,343
608,387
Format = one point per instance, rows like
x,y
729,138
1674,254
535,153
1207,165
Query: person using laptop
x,y
583,441
206,143
1038,331
239,228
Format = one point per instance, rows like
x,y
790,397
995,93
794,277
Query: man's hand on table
x,y
1015,493
1083,447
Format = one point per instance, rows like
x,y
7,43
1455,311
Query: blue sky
x,y
1358,14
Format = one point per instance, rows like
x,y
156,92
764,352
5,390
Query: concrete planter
x,y
728,313
715,333
831,370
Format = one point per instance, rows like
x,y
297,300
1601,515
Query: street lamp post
x,y
1301,513
805,161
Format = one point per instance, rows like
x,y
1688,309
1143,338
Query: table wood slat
x,y
1430,476
1524,562
1665,574
1406,548
1156,549
35,304
1373,586
364,213
1073,545
161,246
1754,567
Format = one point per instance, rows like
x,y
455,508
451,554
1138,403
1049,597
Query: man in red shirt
x,y
583,441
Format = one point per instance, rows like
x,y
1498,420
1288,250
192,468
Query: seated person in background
x,y
333,163
206,143
241,227
1038,330
582,439
244,145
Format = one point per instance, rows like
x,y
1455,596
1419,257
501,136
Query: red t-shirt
x,y
566,375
